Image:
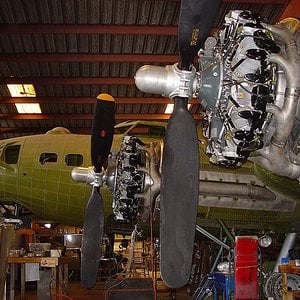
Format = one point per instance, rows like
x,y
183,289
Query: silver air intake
x,y
168,81
83,174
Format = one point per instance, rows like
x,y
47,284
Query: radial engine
x,y
247,80
134,180
132,176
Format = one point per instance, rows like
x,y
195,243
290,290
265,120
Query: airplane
x,y
36,171
248,81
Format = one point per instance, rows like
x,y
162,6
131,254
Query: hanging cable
x,y
152,253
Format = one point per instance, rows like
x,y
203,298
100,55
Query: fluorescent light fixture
x,y
21,90
28,108
24,90
170,107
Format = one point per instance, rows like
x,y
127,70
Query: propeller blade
x,y
195,22
93,227
92,239
180,166
102,130
179,196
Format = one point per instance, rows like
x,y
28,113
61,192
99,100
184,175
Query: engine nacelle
x,y
248,81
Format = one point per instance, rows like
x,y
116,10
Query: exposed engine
x,y
132,176
134,179
255,106
248,81
130,179
237,62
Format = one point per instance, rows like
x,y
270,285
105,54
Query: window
x,y
11,154
48,158
74,160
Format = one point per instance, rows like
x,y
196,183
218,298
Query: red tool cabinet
x,y
246,268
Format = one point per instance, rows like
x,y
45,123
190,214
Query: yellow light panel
x,y
28,108
21,90
24,90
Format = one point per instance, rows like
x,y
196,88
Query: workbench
x,y
59,273
290,268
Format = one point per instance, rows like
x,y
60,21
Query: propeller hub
x,y
169,81
88,175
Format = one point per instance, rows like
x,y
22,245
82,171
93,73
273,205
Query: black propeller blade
x,y
180,166
195,22
179,196
101,141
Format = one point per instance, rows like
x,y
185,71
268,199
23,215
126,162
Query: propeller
x,y
101,141
180,165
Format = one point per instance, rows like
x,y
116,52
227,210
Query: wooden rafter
x,y
78,116
94,57
67,80
88,100
87,29
40,129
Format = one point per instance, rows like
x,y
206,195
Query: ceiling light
x,y
21,90
28,108
170,107
24,90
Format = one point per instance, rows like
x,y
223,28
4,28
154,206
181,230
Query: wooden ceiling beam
x,y
275,2
256,1
246,1
87,100
67,80
94,57
87,29
44,129
92,29
291,9
37,130
87,116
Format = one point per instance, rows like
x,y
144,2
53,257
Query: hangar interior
x,y
57,58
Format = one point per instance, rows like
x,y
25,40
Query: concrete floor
x,y
101,292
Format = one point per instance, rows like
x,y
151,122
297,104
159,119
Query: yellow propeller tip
x,y
105,97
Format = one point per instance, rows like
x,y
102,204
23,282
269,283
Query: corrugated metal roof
x,y
91,12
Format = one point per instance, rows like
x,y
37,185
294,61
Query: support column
x,y
288,244
7,233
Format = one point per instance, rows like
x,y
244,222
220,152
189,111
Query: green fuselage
x,y
46,187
